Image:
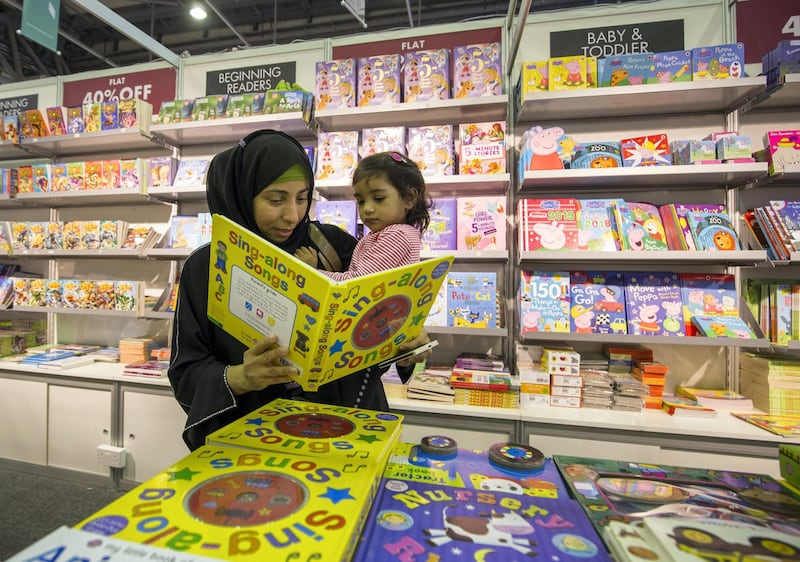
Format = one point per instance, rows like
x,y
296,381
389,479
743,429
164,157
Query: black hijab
x,y
236,175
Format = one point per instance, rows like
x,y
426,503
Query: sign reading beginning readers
x,y
249,79
17,104
653,37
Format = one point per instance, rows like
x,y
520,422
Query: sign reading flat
x,y
153,86
760,24
653,37
249,79
18,104
418,43
40,22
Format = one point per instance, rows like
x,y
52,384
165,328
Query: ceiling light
x,y
197,12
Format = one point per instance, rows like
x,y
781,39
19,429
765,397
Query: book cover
x,y
722,327
653,304
436,522
597,302
718,398
246,504
431,149
596,225
191,173
75,544
472,299
785,425
481,148
441,231
543,301
640,227
337,155
682,406
777,249
547,224
147,368
713,231
481,223
318,431
184,231
789,213
707,294
622,490
339,213
680,212
331,328
431,380
477,379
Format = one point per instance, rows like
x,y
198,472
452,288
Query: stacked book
x,y
598,389
629,393
534,382
483,380
771,381
720,400
132,350
654,375
393,385
562,364
152,368
432,383
61,356
683,406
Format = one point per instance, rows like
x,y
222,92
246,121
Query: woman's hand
x,y
307,255
261,367
421,339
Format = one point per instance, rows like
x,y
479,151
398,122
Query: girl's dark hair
x,y
405,176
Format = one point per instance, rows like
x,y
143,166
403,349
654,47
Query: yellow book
x,y
236,504
314,430
332,329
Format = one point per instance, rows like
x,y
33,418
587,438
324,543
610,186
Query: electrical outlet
x,y
108,455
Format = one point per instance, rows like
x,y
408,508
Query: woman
x,y
265,184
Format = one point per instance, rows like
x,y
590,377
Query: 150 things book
x,y
332,329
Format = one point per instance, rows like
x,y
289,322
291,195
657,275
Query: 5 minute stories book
x,y
332,329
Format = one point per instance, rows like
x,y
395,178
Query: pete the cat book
x,y
331,328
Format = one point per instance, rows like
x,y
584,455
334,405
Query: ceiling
x,y
87,43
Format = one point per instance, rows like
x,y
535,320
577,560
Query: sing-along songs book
x,y
332,329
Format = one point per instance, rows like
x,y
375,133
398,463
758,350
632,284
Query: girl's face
x,y
279,208
379,203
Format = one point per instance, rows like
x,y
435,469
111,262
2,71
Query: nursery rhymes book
x,y
331,328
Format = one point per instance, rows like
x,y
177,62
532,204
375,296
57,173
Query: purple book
x,y
441,231
653,304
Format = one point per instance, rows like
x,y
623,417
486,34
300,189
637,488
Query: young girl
x,y
390,193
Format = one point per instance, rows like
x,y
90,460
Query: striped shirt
x,y
394,246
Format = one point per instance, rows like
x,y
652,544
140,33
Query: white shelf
x,y
438,186
491,332
99,142
785,95
789,176
99,370
665,258
78,311
695,341
83,198
621,179
99,253
468,255
11,151
176,193
168,253
702,96
434,112
230,129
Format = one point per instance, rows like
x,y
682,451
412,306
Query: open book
x,y
332,329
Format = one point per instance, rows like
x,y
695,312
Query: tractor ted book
x,y
332,329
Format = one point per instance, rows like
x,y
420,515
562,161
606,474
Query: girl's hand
x,y
261,367
307,255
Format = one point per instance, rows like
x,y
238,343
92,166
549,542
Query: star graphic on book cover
x,y
368,438
255,421
337,347
183,474
336,494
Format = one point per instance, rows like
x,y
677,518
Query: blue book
x,y
653,304
47,356
543,301
472,299
597,302
343,214
441,232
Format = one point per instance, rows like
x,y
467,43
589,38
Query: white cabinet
x,y
152,425
23,420
79,419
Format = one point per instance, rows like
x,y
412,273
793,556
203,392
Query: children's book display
x,y
611,490
331,328
314,430
685,539
786,425
438,501
245,504
682,406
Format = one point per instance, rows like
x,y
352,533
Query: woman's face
x,y
279,208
